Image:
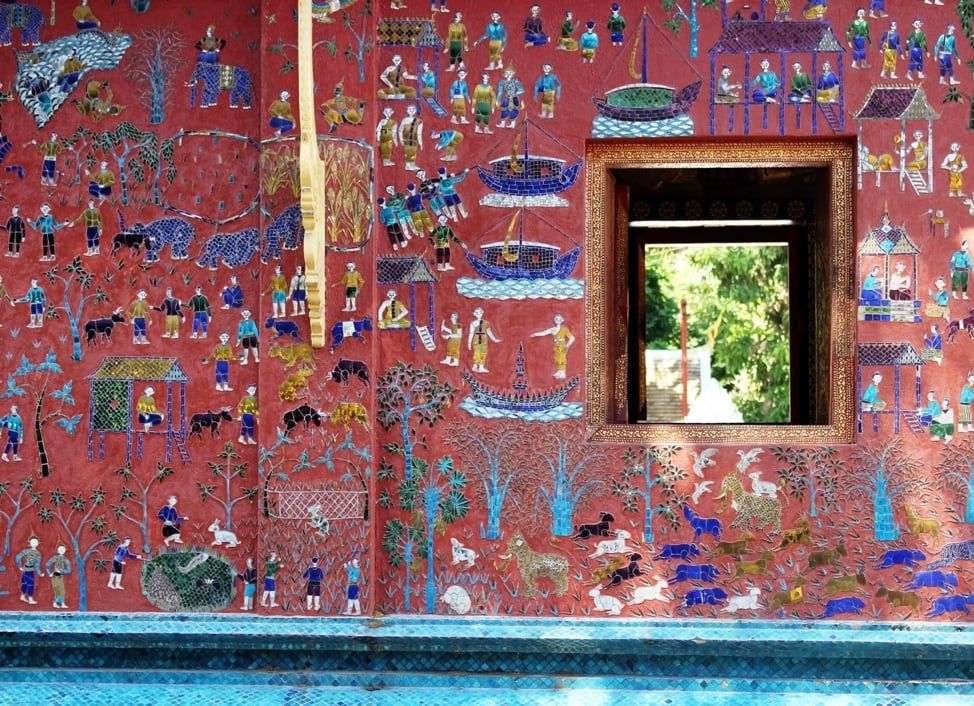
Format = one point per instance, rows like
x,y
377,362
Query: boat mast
x,y
644,68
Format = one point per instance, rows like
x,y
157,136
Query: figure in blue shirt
x,y
960,267
870,398
37,300
171,520
121,554
247,337
233,294
314,574
29,562
47,224
946,51
765,84
15,429
353,574
872,287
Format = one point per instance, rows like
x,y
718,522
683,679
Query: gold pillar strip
x,y
312,180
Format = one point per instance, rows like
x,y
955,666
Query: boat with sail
x,y
645,101
517,398
526,174
517,258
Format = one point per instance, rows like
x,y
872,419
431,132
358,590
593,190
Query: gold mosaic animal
x,y
735,548
899,599
745,568
845,584
297,381
532,565
293,354
791,596
826,556
604,572
799,534
749,506
921,525
347,412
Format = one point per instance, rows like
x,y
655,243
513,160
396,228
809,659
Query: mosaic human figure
x,y
828,85
447,141
931,410
428,82
955,166
14,425
386,133
588,42
727,90
392,80
298,291
616,25
210,46
871,401
563,339
49,151
965,412
122,554
547,89
921,153
453,333
353,575
483,100
946,52
495,34
447,199
172,308
566,40
916,45
278,287
282,117
477,340
534,35
890,49
352,281
459,97
268,598
314,575
249,579
29,562
149,414
94,225
202,313
765,84
171,522
57,567
248,337
456,42
341,108
960,268
801,85
232,294
857,35
391,313
442,236
416,206
16,228
222,355
100,183
939,305
509,92
84,18
942,426
872,287
899,283
933,345
411,137
248,411
36,300
48,225
390,218
141,317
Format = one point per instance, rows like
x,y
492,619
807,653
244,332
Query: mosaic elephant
x,y
27,18
174,232
220,77
287,231
233,249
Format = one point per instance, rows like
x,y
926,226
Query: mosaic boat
x,y
525,174
644,101
517,398
517,258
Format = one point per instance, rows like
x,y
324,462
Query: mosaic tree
x,y
71,274
690,17
956,471
153,68
361,47
570,477
20,497
405,393
497,455
136,153
227,470
400,540
638,479
815,472
33,380
80,523
882,473
136,491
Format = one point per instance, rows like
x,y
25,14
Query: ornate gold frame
x,y
312,180
605,228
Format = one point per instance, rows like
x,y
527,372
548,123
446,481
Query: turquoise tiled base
x,y
97,659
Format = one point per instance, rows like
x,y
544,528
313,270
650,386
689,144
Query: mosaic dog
x,y
899,599
826,556
533,565
799,534
845,584
921,525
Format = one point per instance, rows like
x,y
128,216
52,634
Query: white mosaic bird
x,y
703,460
699,489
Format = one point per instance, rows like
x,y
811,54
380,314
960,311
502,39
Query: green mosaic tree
x,y
69,276
227,470
135,492
812,472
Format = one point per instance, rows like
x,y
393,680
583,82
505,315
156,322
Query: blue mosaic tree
x,y
77,518
956,470
496,455
571,478
34,379
689,17
882,473
161,58
638,479
71,275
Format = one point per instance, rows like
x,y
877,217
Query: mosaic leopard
x,y
956,551
232,249
766,509
287,231
533,565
